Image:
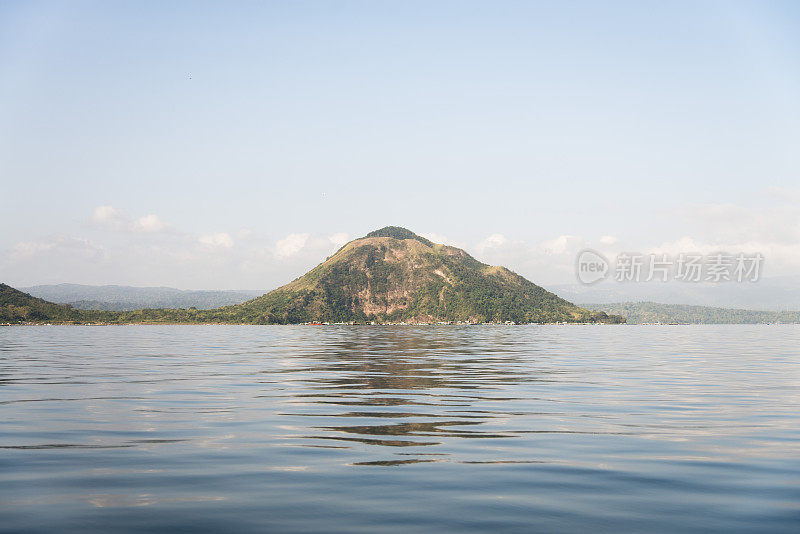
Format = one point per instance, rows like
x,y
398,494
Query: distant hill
x,y
390,275
776,293
127,298
653,312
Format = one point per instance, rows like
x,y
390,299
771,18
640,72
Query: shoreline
x,y
394,324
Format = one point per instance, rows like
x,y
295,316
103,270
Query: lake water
x,y
400,429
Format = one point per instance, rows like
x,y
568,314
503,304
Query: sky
x,y
228,145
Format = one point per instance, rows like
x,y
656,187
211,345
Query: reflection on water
x,y
375,428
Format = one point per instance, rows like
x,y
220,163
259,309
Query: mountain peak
x,y
398,232
395,275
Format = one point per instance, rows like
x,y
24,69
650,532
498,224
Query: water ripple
x,y
298,429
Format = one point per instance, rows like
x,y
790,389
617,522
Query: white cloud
x,y
58,245
773,230
148,251
28,249
784,194
113,219
780,258
149,224
290,245
493,241
216,240
443,240
102,214
338,240
684,244
731,223
436,238
560,245
110,217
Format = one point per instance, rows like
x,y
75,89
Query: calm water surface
x,y
406,429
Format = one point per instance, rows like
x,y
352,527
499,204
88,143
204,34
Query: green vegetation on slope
x,y
397,232
393,275
19,307
653,312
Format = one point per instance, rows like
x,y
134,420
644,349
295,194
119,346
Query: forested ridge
x,y
654,312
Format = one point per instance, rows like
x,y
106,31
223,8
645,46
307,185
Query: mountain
x,y
19,307
390,275
653,312
127,298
